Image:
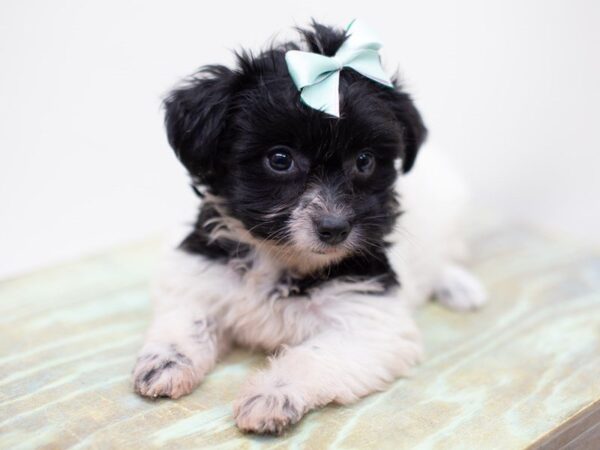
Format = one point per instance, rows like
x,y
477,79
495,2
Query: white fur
x,y
337,346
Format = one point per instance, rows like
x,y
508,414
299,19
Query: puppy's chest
x,y
292,307
265,279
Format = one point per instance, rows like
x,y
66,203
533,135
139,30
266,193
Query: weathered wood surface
x,y
509,376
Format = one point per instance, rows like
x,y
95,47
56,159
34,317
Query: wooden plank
x,y
581,432
519,373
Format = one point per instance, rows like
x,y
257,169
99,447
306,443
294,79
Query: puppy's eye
x,y
280,160
365,163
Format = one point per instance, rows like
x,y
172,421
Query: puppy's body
x,y
335,310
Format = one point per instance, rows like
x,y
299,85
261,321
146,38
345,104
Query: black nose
x,y
333,230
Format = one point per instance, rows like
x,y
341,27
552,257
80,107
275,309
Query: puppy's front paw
x,y
267,412
459,290
164,372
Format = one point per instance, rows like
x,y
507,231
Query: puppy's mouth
x,y
329,250
335,251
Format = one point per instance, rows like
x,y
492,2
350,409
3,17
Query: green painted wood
x,y
506,377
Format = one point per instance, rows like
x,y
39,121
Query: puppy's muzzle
x,y
332,230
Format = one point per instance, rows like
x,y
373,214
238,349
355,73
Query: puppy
x,y
313,241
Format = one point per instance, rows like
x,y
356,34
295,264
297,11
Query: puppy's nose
x,y
332,230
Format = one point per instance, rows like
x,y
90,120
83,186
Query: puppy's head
x,y
295,177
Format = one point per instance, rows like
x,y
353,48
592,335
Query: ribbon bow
x,y
317,77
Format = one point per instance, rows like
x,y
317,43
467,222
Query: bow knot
x,y
317,76
338,62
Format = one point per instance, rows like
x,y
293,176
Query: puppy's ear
x,y
195,118
414,131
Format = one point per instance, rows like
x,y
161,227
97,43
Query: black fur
x,y
199,240
223,122
356,268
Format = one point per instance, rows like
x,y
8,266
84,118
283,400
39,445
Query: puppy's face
x,y
293,176
299,178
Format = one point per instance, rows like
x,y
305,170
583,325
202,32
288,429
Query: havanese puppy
x,y
313,242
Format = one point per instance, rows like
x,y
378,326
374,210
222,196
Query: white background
x,y
510,89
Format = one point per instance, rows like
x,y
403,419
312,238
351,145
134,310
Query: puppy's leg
x,y
180,349
338,365
183,343
459,289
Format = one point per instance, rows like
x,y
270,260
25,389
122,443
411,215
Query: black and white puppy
x,y
311,243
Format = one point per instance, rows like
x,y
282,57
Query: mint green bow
x,y
318,76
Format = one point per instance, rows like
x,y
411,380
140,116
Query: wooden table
x,y
525,371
